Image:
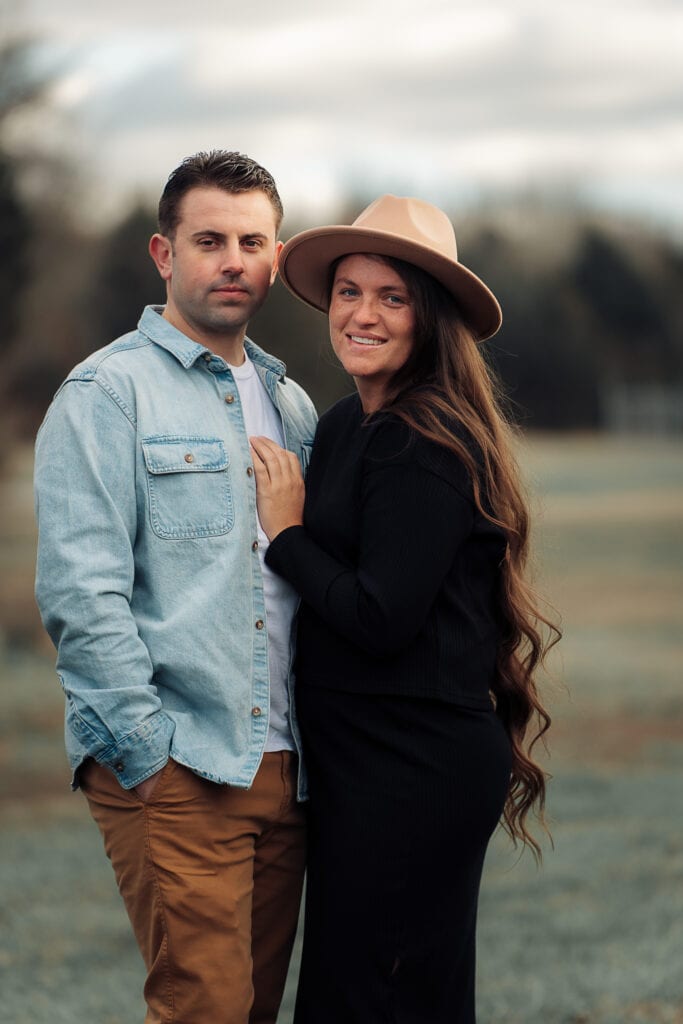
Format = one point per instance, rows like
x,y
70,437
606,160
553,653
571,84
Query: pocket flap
x,y
184,454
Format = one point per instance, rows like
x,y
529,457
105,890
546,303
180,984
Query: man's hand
x,y
280,488
145,789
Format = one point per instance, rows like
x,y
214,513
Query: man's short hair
x,y
233,172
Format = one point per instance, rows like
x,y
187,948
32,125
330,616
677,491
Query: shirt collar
x,y
153,325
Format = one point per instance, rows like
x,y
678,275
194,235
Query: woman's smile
x,y
366,339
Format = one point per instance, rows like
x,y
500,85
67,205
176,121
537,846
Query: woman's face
x,y
372,323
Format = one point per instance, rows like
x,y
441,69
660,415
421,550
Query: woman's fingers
x,y
279,486
267,449
278,462
267,444
266,461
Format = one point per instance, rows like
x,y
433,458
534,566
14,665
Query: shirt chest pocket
x,y
188,484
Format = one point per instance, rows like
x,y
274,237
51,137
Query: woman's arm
x,y
412,523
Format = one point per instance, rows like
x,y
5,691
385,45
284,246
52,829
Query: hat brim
x,y
306,258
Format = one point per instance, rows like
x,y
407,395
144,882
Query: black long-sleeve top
x,y
397,569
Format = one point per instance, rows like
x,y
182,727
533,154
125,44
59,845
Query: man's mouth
x,y
231,289
361,339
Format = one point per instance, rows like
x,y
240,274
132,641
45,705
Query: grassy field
x,y
593,937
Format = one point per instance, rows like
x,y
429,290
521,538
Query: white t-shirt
x,y
262,418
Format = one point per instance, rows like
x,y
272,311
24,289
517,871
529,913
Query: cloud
x,y
441,95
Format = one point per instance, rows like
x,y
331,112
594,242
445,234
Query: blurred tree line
x,y
588,302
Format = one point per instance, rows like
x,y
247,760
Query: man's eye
x,y
207,243
251,243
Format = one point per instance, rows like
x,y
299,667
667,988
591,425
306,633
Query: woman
x,y
418,635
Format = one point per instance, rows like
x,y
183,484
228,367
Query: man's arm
x,y
87,517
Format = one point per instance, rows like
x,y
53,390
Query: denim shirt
x,y
148,576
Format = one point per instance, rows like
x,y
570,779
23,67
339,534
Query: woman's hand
x,y
279,486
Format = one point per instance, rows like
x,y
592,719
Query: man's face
x,y
220,263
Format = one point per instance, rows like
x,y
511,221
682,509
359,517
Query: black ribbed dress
x,y
408,764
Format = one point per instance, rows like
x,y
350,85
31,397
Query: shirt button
x,y
256,712
259,623
119,766
254,546
189,457
207,357
229,399
250,470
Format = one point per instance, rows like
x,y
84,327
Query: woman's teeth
x,y
366,341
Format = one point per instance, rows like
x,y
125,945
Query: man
x,y
173,638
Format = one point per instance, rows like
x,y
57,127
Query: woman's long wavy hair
x,y
446,379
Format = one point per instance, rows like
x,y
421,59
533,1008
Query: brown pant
x,y
211,877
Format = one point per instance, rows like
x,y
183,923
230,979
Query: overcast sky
x,y
438,98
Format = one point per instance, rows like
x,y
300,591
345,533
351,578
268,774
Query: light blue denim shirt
x,y
148,576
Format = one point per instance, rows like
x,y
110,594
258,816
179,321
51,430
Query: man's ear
x,y
161,251
278,249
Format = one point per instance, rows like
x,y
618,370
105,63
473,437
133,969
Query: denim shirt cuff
x,y
141,753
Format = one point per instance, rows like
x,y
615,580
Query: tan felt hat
x,y
407,229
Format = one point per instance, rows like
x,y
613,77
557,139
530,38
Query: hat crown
x,y
414,220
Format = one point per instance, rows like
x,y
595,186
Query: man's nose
x,y
232,262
